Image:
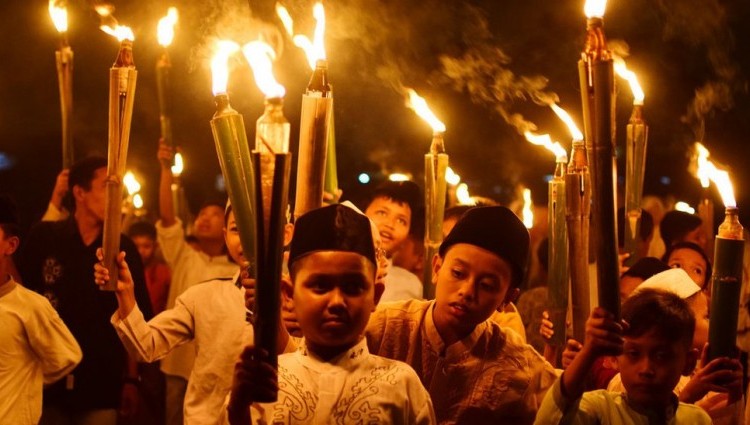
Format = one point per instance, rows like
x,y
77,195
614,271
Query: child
x,y
331,378
475,370
679,226
211,313
693,259
143,235
654,348
36,347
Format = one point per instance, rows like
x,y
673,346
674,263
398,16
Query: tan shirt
x,y
490,376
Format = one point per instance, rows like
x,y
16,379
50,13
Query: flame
x,y
708,171
59,15
137,201
546,141
131,184
110,26
178,166
419,106
286,19
622,70
219,65
684,207
594,8
165,28
315,50
399,177
451,177
528,211
463,196
261,56
565,117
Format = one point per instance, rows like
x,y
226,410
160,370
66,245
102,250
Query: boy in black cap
x,y
332,377
476,371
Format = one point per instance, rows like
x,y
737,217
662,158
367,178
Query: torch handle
x,y
64,61
725,297
313,147
111,230
558,275
435,189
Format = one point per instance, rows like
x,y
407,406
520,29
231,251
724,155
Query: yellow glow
x,y
684,207
546,141
131,184
314,49
399,177
451,177
286,19
565,117
595,8
59,15
165,28
178,166
419,105
528,209
708,171
463,196
137,201
260,56
622,70
219,65
119,31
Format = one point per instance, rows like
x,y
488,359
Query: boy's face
x,y
393,220
209,223
146,247
699,305
92,201
651,367
690,261
334,294
232,239
472,283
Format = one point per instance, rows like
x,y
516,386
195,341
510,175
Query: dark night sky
x,y
502,52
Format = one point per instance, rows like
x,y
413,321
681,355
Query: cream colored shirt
x,y
36,348
213,315
490,376
401,285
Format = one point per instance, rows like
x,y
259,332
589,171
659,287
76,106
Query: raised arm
x,y
166,205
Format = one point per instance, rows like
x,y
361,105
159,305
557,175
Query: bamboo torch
x,y
64,62
122,80
557,281
597,94
435,187
165,35
272,164
636,141
706,205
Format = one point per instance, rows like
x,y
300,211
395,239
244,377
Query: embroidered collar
x,y
348,360
458,348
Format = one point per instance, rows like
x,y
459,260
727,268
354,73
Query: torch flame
x,y
451,177
708,171
463,196
219,65
286,19
398,177
315,50
622,70
165,28
137,201
261,56
546,141
419,106
110,26
565,117
594,8
684,207
178,166
527,212
131,183
59,15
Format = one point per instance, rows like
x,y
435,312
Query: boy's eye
x,y
353,288
489,285
402,222
457,273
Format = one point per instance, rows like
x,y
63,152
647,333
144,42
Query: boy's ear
x,y
77,192
288,233
691,361
287,293
437,262
379,289
13,242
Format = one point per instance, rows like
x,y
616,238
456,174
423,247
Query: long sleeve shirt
x,y
36,348
490,376
212,315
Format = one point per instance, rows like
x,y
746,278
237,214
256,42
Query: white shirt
x,y
213,315
401,285
36,348
354,387
189,267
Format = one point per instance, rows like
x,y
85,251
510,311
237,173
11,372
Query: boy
x,y
679,226
212,314
331,378
392,208
143,235
654,348
475,370
36,347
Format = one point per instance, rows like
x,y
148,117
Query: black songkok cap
x,y
676,224
8,211
497,230
332,228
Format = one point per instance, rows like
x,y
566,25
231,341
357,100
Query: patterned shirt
x,y
490,376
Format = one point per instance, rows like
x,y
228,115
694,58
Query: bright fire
x,y
419,105
622,70
462,195
219,65
546,141
314,50
595,8
165,28
398,177
131,183
178,166
565,117
528,209
59,15
708,171
684,207
260,56
137,201
451,177
110,26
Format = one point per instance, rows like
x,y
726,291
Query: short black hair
x,y
646,267
695,247
142,228
662,312
82,172
9,216
646,228
406,192
676,224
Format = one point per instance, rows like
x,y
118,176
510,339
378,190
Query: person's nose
x,y
336,300
467,289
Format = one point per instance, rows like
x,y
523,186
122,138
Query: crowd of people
x,y
357,343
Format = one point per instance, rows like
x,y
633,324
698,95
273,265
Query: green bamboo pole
x,y
558,274
435,163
